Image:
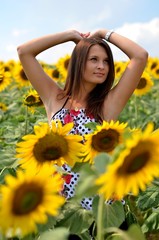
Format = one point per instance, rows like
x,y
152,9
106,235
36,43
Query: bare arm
x,y
27,52
119,95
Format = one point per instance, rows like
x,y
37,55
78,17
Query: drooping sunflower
x,y
5,79
135,167
29,198
49,146
144,84
62,65
105,138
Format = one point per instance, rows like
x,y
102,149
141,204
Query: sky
x,y
21,21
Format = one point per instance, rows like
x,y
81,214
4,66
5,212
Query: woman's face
x,y
97,66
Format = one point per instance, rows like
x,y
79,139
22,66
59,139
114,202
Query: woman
x,y
88,94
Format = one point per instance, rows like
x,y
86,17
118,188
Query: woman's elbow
x,y
144,56
20,50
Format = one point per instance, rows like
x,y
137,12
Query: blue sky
x,y
27,19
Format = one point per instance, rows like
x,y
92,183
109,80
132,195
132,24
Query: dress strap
x,y
60,108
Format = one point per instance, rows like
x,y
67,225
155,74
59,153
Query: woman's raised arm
x,y
28,51
120,94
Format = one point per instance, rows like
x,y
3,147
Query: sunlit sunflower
x,y
145,84
135,167
53,72
62,65
119,69
5,79
8,66
32,98
104,139
155,73
49,146
20,76
3,107
152,64
27,199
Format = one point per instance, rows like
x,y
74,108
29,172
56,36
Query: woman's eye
x,y
93,59
106,61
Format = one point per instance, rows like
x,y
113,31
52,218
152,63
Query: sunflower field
x,y
118,164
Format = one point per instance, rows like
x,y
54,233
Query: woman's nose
x,y
100,64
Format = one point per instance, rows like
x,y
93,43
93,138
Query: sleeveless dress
x,y
79,118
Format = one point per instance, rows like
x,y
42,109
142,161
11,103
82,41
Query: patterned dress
x,y
79,118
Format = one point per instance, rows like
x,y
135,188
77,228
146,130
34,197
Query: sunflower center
x,y
105,140
26,198
134,162
66,63
30,99
157,71
142,83
50,147
1,78
23,75
55,73
153,65
118,69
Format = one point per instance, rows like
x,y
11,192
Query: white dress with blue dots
x,y
79,118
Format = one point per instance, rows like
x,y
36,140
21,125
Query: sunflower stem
x,y
136,111
100,230
26,120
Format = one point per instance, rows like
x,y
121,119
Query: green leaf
x,y
148,198
76,219
60,233
91,125
151,224
101,161
86,186
113,214
134,233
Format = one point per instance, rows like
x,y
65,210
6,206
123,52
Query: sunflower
x,y
32,98
3,107
5,79
20,76
104,139
152,63
62,65
53,72
155,73
144,84
8,66
29,199
134,168
119,69
49,146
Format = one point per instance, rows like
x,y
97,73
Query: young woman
x,y
88,94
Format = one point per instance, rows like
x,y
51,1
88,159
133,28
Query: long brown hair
x,y
76,68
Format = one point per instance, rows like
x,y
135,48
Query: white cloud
x,y
10,48
146,34
18,32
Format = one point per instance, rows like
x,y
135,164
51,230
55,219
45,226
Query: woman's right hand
x,y
77,36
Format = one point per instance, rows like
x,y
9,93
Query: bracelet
x,y
108,34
